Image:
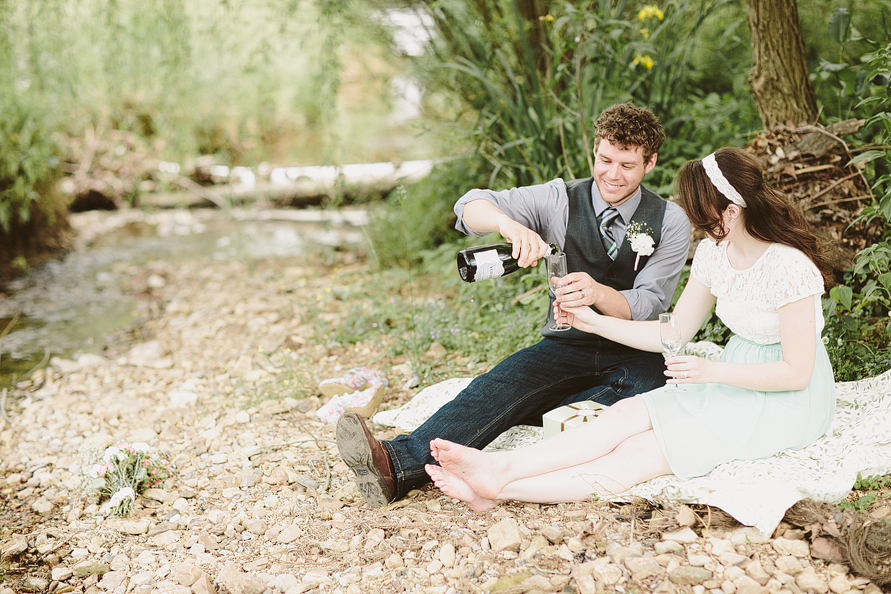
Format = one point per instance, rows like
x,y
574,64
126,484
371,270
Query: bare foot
x,y
456,488
478,469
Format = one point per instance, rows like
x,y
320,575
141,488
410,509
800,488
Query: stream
x,y
74,305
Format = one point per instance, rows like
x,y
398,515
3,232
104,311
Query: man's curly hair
x,y
627,126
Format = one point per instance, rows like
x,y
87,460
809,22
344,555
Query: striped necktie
x,y
606,232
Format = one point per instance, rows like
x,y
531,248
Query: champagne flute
x,y
557,269
670,332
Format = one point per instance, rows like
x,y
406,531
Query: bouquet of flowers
x,y
127,470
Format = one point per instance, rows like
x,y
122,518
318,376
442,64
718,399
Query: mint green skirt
x,y
708,424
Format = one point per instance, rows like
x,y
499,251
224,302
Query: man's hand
x,y
578,289
528,246
484,217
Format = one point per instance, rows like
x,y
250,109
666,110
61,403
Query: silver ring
x,y
685,375
583,294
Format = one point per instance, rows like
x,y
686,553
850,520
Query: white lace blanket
x,y
757,492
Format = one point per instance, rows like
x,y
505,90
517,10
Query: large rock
x,y
13,547
505,536
234,581
90,567
686,575
796,548
809,581
683,536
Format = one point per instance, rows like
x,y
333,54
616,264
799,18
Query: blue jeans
x,y
519,390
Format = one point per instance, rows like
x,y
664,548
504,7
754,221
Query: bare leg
x,y
488,473
636,460
456,488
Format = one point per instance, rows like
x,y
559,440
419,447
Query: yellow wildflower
x,y
649,11
548,17
645,33
645,60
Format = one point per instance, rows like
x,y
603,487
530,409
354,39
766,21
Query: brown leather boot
x,y
367,458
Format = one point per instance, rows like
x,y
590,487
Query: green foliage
x,y
419,216
858,329
837,38
244,81
870,483
533,89
530,90
28,158
861,504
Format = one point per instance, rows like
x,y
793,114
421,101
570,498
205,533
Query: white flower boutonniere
x,y
641,241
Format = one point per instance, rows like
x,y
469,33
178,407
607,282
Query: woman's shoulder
x,y
707,246
787,253
793,268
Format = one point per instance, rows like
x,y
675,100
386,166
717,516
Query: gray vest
x,y
585,252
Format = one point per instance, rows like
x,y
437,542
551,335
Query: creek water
x,y
73,305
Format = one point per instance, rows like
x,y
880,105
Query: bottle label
x,y
488,265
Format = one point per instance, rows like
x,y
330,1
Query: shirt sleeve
x,y
655,284
703,261
799,278
544,208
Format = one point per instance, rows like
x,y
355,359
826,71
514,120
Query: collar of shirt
x,y
626,209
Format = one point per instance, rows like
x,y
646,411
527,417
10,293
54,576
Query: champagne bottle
x,y
484,262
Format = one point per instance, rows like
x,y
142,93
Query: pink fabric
x,y
354,378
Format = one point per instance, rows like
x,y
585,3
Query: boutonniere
x,y
641,241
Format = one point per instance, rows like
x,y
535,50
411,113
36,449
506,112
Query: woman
x,y
773,388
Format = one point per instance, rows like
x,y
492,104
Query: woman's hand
x,y
688,370
582,318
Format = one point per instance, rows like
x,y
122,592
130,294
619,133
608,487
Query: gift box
x,y
571,415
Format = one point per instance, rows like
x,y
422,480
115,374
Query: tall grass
x,y
245,80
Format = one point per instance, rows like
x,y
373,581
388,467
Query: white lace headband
x,y
717,178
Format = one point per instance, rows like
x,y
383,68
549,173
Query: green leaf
x,y
866,157
828,66
849,324
844,295
839,25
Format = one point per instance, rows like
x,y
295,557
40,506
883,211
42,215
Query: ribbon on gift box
x,y
570,415
579,412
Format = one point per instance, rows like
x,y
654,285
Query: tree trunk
x,y
779,79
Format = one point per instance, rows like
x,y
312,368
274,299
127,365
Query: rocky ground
x,y
260,501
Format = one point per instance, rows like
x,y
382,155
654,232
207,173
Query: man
x,y
588,219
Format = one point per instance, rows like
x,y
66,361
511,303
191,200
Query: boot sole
x,y
355,451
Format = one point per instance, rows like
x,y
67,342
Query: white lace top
x,y
748,300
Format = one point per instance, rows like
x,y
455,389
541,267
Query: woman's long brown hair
x,y
768,216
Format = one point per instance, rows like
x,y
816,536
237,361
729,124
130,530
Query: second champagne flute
x,y
670,333
557,269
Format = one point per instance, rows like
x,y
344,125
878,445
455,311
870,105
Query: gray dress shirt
x,y
544,208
